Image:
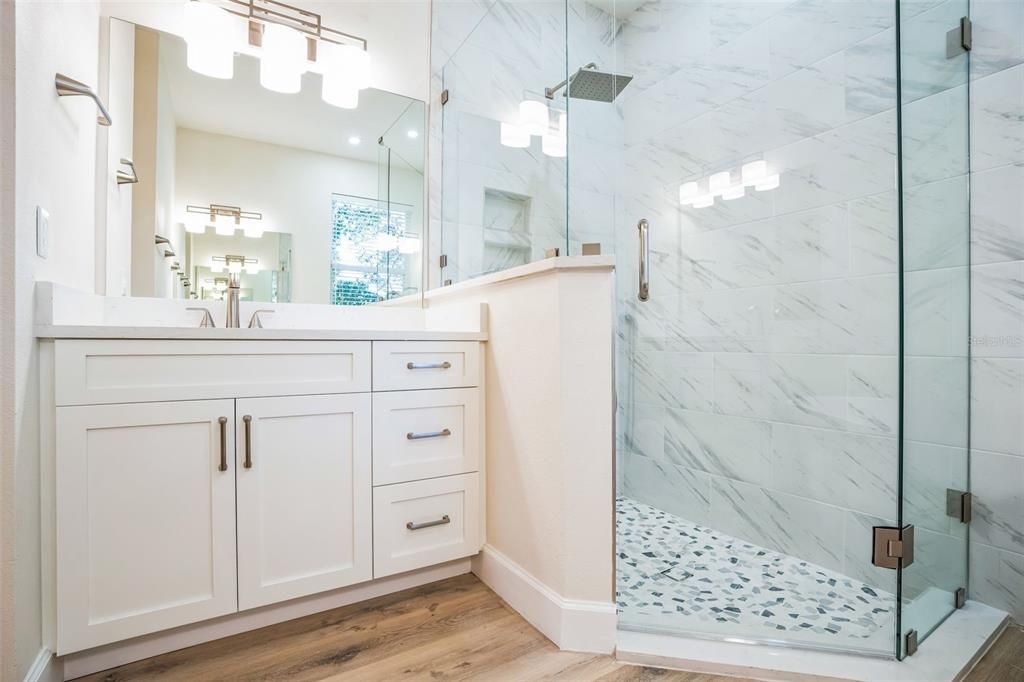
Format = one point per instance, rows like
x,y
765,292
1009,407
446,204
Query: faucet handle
x,y
255,322
207,320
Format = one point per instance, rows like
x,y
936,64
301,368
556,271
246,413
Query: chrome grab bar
x,y
427,524
431,434
429,365
645,259
124,178
69,86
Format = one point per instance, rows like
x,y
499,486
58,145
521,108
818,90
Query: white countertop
x,y
74,331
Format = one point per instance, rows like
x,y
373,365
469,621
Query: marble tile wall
x,y
997,304
758,386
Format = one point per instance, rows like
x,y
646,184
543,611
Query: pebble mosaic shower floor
x,y
675,572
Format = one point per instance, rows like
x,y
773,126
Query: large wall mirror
x,y
305,200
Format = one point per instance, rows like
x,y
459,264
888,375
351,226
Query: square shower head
x,y
597,86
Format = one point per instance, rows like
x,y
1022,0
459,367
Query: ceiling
x,y
241,107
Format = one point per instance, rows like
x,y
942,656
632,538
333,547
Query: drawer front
x,y
425,434
424,523
128,371
402,365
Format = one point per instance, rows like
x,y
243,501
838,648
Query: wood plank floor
x,y
456,629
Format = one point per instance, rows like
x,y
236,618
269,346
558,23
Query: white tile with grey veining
x,y
786,523
997,119
997,215
998,36
997,578
733,447
926,67
997,309
936,311
997,483
936,400
997,403
935,137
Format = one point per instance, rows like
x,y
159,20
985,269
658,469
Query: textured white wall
x,y
54,168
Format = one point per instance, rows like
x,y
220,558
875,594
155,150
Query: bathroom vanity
x,y
197,477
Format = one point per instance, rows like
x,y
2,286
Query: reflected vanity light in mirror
x,y
515,136
751,174
533,116
208,51
283,59
688,193
734,192
770,182
224,225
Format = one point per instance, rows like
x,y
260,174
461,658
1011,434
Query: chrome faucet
x,y
232,301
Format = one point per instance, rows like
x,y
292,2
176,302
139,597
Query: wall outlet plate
x,y
42,232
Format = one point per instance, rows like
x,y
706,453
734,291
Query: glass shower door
x,y
935,257
758,384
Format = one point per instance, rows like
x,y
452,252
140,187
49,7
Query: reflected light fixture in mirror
x,y
515,136
283,60
208,51
533,116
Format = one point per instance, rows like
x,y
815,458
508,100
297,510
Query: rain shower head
x,y
589,83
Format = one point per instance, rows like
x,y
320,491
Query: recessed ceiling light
x,y
354,139
413,134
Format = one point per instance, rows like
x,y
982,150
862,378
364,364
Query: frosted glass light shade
x,y
770,182
513,135
283,59
234,267
224,225
734,192
533,116
719,182
408,245
207,35
340,80
754,171
688,193
195,224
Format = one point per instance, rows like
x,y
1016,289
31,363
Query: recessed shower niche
x,y
506,230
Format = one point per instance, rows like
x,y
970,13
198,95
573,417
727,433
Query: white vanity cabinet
x,y
197,478
145,518
304,503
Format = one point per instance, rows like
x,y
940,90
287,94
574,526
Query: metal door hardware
x,y
893,547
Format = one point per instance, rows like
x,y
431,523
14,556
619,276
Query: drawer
x,y
401,365
134,371
424,523
425,434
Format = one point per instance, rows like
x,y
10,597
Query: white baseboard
x,y
573,625
44,668
112,655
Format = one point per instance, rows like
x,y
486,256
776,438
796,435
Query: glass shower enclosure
x,y
795,379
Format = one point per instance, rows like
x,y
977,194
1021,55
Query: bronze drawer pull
x,y
247,420
431,434
429,524
429,365
223,421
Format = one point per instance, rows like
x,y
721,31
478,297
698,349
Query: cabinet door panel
x,y
145,519
304,505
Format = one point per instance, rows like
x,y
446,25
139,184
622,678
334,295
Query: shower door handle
x,y
645,260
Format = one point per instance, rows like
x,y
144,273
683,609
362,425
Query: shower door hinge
x,y
443,261
892,547
910,643
960,39
444,97
552,253
959,504
960,597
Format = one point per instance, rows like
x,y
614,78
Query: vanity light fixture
x,y
751,174
289,40
234,264
224,219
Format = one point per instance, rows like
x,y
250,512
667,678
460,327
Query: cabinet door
x,y
304,497
145,519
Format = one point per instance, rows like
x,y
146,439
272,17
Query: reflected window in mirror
x,y
370,250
